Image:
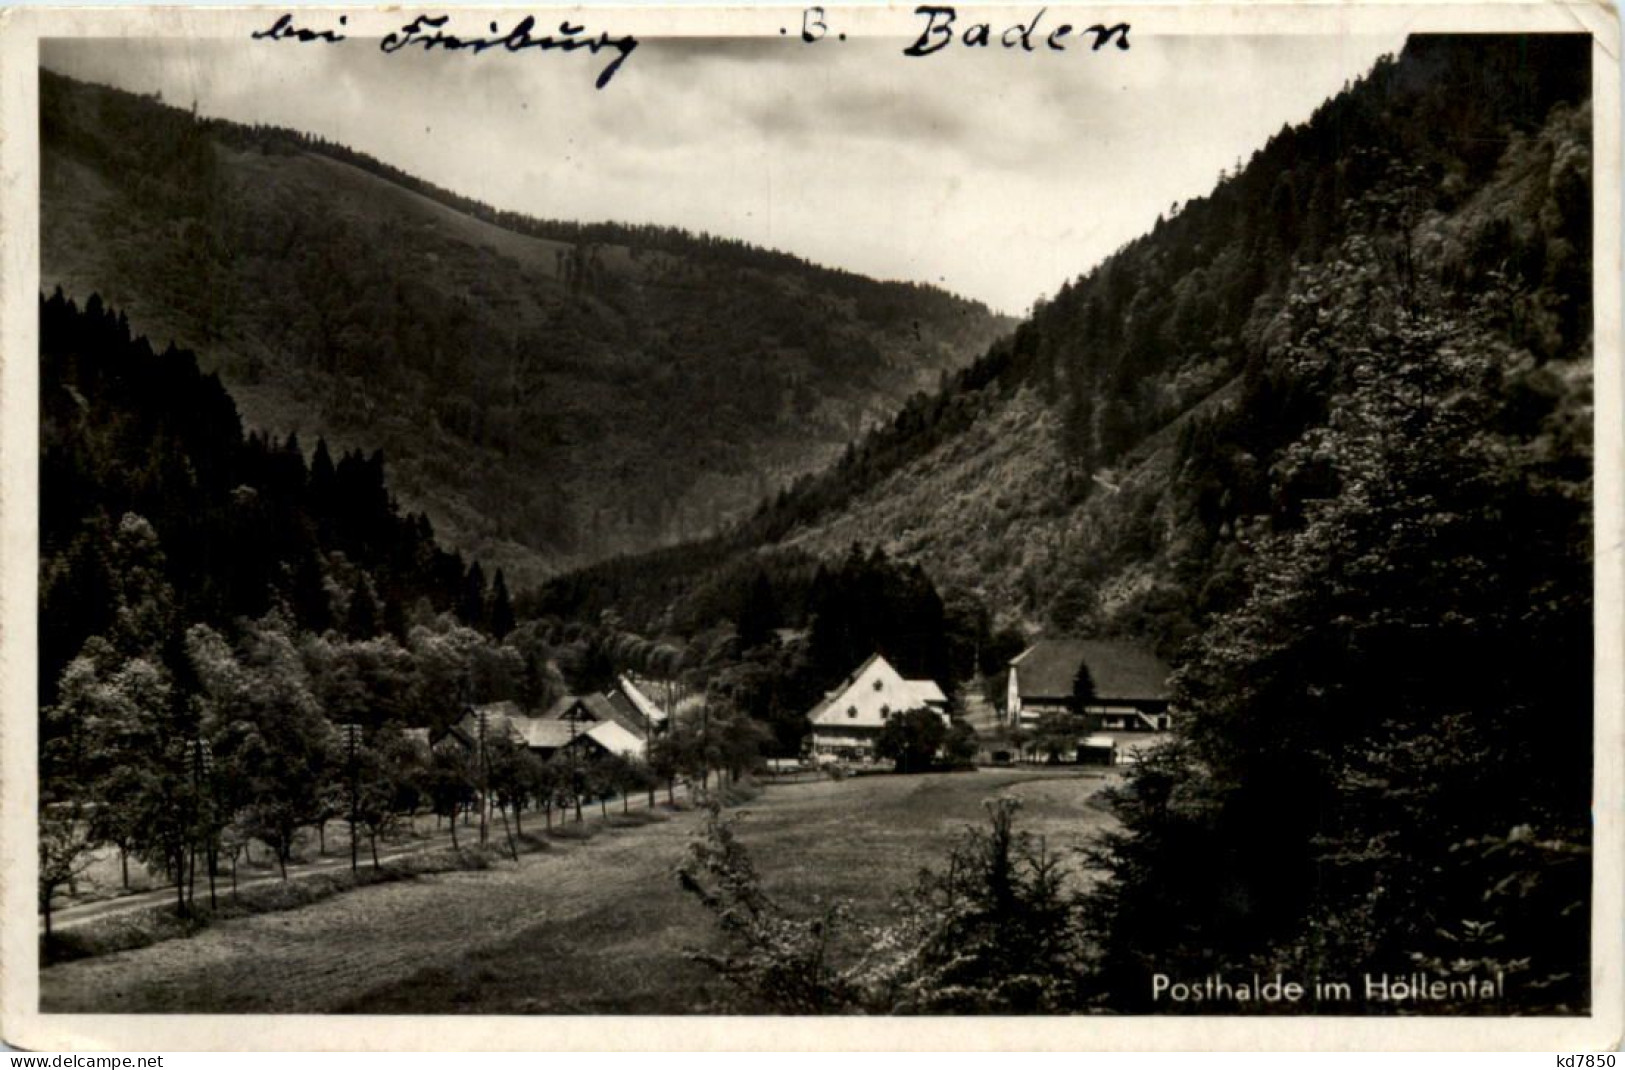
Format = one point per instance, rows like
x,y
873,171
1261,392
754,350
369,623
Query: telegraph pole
x,y
352,747
480,720
705,739
203,772
574,720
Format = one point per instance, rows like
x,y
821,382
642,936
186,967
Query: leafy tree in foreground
x,y
386,784
1057,735
668,759
996,931
515,775
1389,738
66,849
777,960
448,781
960,748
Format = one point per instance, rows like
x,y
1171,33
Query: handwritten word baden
x,y
938,33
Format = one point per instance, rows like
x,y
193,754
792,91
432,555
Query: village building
x,y
590,722
607,721
846,723
635,693
1119,685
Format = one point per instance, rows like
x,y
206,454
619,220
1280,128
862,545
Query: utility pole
x,y
203,774
481,720
574,720
352,752
705,739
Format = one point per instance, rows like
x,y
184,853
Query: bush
x,y
995,932
960,748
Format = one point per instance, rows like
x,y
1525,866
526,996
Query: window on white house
x,y
879,685
851,711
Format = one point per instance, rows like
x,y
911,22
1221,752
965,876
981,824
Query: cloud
x,y
1000,174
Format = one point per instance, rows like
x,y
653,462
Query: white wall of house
x,y
850,718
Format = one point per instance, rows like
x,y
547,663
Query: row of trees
x,y
242,746
208,618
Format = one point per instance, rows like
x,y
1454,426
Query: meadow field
x,y
588,926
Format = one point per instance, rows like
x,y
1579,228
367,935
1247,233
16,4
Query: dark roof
x,y
596,708
627,714
1119,668
456,734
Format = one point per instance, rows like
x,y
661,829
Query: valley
x,y
1279,516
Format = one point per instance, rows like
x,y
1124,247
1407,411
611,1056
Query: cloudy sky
x,y
996,174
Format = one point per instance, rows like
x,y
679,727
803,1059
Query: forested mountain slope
x,y
1100,470
549,393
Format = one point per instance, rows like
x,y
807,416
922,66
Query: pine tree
x,y
471,605
759,614
500,616
362,620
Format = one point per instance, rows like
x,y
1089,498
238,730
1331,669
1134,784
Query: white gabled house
x,y
847,721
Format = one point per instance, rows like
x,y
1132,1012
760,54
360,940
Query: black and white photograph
x,y
1002,512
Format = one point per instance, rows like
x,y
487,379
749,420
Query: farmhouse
x,y
612,724
589,722
1118,684
847,721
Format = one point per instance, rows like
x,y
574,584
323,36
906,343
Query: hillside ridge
x,y
537,385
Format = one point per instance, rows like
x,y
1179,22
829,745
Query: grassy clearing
x,y
591,926
863,840
142,928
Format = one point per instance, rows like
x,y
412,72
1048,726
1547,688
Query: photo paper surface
x,y
782,523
